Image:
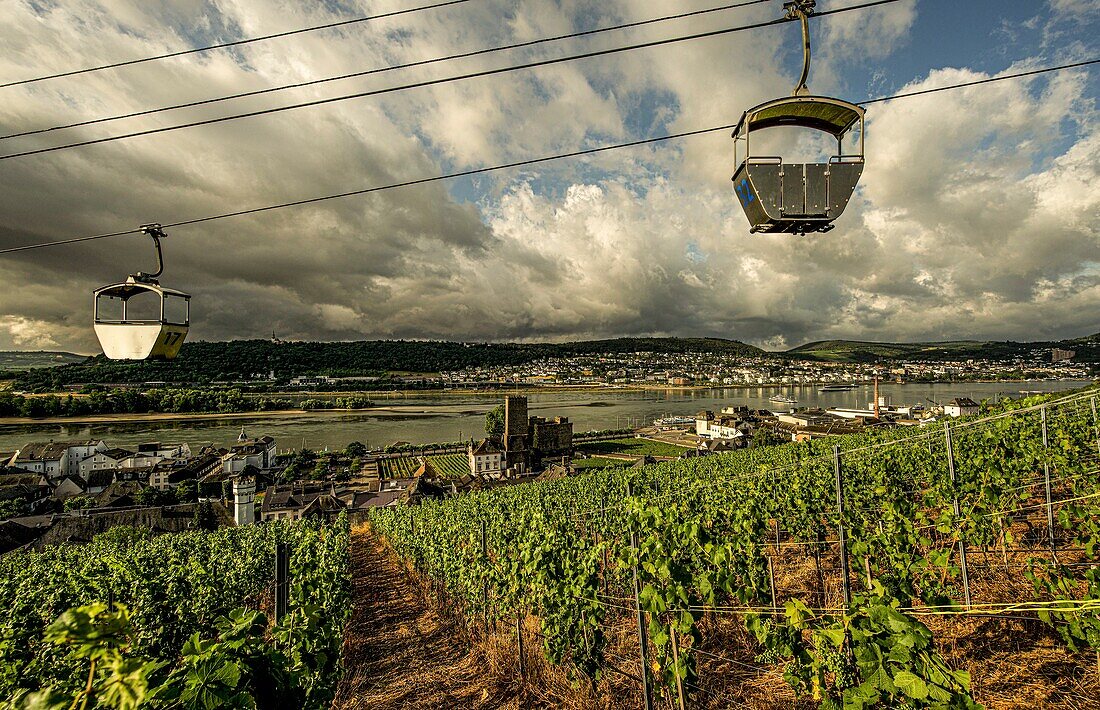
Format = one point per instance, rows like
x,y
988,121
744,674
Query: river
x,y
426,418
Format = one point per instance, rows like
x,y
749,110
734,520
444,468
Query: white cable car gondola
x,y
798,197
133,325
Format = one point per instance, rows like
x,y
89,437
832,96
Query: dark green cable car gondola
x,y
798,198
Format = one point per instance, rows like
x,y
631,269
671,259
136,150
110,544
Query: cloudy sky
x,y
978,214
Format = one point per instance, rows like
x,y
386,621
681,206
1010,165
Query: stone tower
x,y
244,500
516,429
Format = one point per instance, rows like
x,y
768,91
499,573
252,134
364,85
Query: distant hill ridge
x,y
205,361
1087,349
27,359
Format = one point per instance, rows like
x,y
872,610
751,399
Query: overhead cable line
x,y
443,80
504,166
979,82
380,70
235,43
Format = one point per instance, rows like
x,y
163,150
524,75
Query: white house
x,y
154,452
49,459
56,459
108,459
81,450
961,407
249,452
485,459
707,426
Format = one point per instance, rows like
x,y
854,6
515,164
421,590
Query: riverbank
x,y
425,418
422,409
170,417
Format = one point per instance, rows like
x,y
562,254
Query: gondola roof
x,y
833,116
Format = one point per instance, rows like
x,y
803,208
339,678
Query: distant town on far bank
x,y
678,362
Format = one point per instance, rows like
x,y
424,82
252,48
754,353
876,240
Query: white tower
x,y
244,500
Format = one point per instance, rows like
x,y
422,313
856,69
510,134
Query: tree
x,y
78,503
355,450
186,492
204,516
494,421
767,437
12,508
149,496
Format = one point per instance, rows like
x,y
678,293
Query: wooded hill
x,y
1087,349
203,362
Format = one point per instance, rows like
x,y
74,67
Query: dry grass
x,y
407,648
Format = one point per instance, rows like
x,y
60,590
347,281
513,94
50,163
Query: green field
x,y
632,447
597,462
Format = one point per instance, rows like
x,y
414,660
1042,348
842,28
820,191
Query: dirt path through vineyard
x,y
401,654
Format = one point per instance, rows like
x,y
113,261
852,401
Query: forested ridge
x,y
204,362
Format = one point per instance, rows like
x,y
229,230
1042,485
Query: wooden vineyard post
x,y
817,565
840,527
771,579
643,646
955,503
1046,483
603,528
1096,428
485,584
775,499
676,663
519,644
282,580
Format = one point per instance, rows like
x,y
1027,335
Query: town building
x,y
300,500
79,451
108,459
166,474
961,407
49,459
485,458
1059,355
56,459
709,426
259,453
551,439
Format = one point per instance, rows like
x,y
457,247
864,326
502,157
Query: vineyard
x,y
902,568
632,447
597,462
451,465
175,621
447,465
399,468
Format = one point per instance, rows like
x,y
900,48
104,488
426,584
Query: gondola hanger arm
x,y
801,10
157,233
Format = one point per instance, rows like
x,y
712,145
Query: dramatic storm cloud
x,y
978,214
